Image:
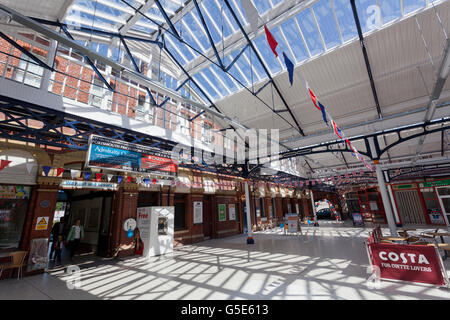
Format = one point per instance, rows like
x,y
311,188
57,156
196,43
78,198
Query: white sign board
x,y
231,212
129,224
156,225
292,223
198,212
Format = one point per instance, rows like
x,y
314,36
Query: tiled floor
x,y
328,262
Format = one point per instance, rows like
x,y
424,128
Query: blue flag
x,y
324,114
290,68
87,175
119,179
46,170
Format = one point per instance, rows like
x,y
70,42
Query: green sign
x,y
438,183
222,212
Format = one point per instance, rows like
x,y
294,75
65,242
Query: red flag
x,y
271,40
154,182
99,176
59,171
129,178
313,98
4,164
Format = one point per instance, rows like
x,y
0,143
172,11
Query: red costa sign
x,y
415,263
158,163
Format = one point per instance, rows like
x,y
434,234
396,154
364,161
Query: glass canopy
x,y
302,33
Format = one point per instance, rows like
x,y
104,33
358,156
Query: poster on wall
x,y
198,212
222,212
231,212
38,254
107,153
292,221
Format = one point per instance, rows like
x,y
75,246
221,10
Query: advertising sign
x,y
292,221
143,224
414,263
357,219
198,212
222,212
231,212
107,153
14,192
76,184
37,258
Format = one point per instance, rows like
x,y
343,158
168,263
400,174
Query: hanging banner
x,y
198,212
414,263
231,212
107,153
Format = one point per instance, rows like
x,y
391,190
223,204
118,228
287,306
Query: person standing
x,y
57,230
76,233
57,246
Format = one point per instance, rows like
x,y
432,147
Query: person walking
x,y
58,246
57,230
76,233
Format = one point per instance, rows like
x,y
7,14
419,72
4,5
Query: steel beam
x,y
167,18
366,59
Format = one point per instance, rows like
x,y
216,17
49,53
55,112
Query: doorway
x,y
94,211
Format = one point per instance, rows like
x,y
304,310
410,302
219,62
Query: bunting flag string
x,y
251,14
30,167
59,171
98,176
46,170
289,67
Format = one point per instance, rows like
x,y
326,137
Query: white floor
x,y
328,262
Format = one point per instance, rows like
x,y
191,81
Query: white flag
x,y
251,13
139,180
73,173
30,167
109,176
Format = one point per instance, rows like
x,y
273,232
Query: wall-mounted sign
x,y
129,224
42,223
231,212
198,212
123,156
44,204
222,212
14,192
75,184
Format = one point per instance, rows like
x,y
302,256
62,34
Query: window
x,y
206,132
13,209
96,93
273,208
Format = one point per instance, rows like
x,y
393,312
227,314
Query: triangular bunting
x,y
30,167
109,177
46,169
59,171
251,14
4,164
271,40
129,178
289,67
74,173
98,176
119,179
87,175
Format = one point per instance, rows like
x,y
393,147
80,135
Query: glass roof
x,y
316,29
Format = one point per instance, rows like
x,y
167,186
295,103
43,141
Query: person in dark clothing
x,y
57,229
57,246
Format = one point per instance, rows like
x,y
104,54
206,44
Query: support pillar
x,y
250,239
313,207
386,200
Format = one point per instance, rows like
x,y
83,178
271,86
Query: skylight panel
x,y
198,29
310,32
210,15
327,23
188,32
390,10
239,10
344,15
235,72
225,78
294,39
205,86
176,52
257,66
262,6
413,5
282,46
216,82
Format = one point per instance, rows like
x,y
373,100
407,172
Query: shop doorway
x,y
94,210
207,217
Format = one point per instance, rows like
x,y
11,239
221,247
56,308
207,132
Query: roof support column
x,y
50,58
386,200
